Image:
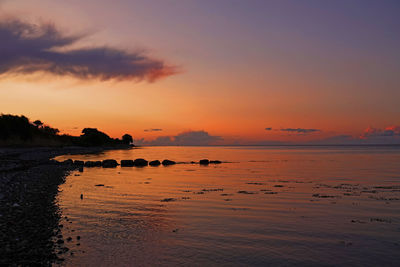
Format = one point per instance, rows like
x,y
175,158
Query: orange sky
x,y
234,79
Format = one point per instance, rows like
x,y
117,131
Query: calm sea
x,y
264,206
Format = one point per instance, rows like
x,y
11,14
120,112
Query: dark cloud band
x,y
28,48
300,130
153,130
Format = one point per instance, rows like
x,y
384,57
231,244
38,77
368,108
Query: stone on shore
x,y
68,162
140,162
155,163
167,162
79,163
127,163
109,163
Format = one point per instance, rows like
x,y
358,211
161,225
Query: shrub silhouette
x,y
127,139
38,123
19,131
93,137
15,127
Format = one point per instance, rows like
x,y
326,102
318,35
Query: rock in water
x,y
127,163
154,163
79,162
109,163
167,162
93,164
168,199
140,162
204,162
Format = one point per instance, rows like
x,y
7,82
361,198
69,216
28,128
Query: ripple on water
x,y
269,206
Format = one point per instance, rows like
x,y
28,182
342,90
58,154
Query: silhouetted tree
x,y
49,131
19,131
127,139
38,123
12,126
93,137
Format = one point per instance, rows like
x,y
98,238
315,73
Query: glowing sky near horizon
x,y
242,67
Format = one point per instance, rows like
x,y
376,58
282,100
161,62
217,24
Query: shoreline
x,y
29,215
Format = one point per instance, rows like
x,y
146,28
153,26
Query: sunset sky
x,y
205,72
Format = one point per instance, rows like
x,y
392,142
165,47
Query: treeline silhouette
x,y
19,131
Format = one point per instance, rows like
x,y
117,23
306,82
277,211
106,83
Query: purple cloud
x,y
28,48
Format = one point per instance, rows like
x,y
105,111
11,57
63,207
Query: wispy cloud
x,y
27,48
393,130
191,138
384,136
153,130
300,130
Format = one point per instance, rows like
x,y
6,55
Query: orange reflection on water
x,y
262,206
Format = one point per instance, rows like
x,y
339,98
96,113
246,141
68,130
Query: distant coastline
x,y
284,145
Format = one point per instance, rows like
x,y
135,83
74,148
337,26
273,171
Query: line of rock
x,y
112,163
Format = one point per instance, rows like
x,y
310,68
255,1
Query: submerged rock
x,y
204,162
154,163
213,190
324,196
246,192
168,199
140,162
167,162
127,163
109,163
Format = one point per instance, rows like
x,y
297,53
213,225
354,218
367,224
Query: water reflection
x,y
268,206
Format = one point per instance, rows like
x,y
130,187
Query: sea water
x,y
263,206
